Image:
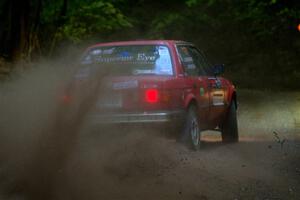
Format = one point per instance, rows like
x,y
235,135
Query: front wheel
x,y
229,127
191,132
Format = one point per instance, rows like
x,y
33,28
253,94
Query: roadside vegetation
x,y
257,40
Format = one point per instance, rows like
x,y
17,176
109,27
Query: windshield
x,y
132,59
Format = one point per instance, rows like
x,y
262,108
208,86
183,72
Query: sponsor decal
x,y
202,91
218,97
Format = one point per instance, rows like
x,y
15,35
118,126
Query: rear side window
x,y
131,59
206,64
191,60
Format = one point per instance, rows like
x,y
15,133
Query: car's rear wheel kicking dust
x,y
229,128
191,133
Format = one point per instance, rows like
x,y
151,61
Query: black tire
x,y
191,131
229,127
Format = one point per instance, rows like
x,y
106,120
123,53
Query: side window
x,y
187,61
206,64
199,60
191,61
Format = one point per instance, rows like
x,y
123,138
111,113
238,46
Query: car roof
x,y
140,42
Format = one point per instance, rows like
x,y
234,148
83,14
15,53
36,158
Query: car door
x,y
195,79
218,93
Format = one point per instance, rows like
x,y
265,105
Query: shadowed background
x,y
255,39
42,158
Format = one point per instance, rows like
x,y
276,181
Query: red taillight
x,y
66,99
151,95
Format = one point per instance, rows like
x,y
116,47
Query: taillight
x,y
151,95
66,99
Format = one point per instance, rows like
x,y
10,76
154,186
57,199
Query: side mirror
x,y
218,69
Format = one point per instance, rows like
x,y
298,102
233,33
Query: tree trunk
x,y
34,42
60,22
15,33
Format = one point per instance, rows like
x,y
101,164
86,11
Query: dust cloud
x,y
45,156
40,135
29,105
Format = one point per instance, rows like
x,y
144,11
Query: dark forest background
x,y
257,40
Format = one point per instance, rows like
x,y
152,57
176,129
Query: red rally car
x,y
161,82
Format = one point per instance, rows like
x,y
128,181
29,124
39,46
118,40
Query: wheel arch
x,y
190,100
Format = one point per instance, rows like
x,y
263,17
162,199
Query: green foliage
x,y
51,12
93,18
83,19
165,23
263,18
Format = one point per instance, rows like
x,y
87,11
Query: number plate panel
x,y
110,101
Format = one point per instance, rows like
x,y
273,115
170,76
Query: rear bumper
x,y
144,117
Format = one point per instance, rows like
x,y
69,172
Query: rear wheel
x,y
229,127
191,132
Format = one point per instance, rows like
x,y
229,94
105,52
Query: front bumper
x,y
144,117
